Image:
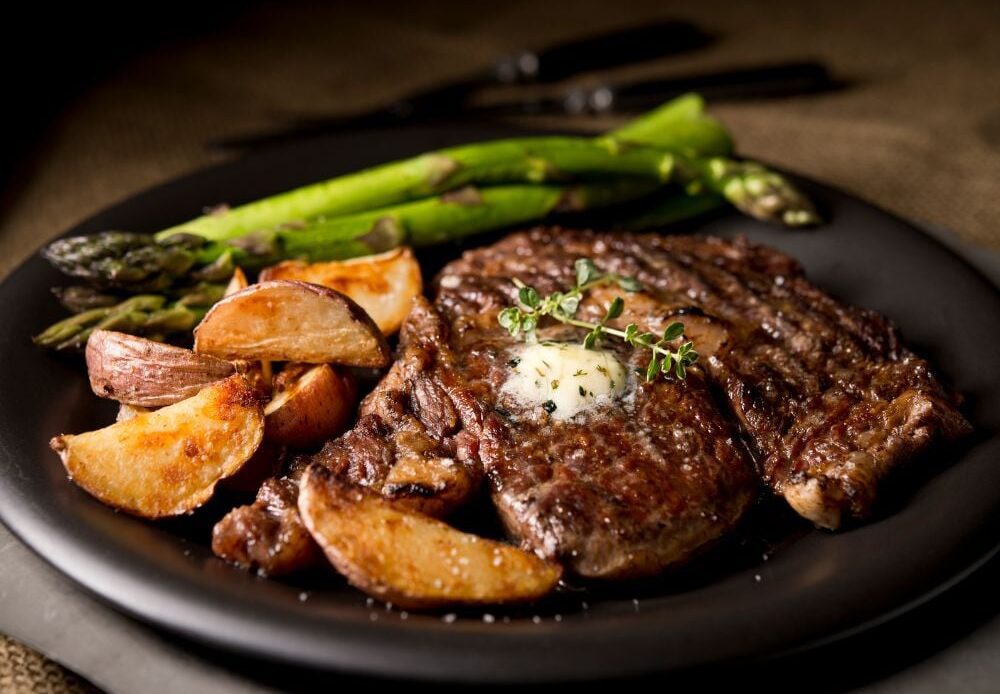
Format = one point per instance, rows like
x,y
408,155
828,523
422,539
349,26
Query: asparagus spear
x,y
144,314
134,262
703,146
751,188
129,316
208,247
681,126
452,216
531,160
424,222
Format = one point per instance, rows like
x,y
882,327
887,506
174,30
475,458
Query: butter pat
x,y
564,379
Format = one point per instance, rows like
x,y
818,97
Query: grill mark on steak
x,y
828,395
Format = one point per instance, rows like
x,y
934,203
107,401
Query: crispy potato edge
x,y
321,494
220,403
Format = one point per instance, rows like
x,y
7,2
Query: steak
x,y
625,489
828,397
818,399
419,431
268,534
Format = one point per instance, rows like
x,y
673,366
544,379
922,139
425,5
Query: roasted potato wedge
x,y
383,285
308,410
410,559
291,321
168,462
257,372
137,371
237,282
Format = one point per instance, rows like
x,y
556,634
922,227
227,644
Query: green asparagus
x,y
436,197
529,160
681,126
151,315
133,262
420,223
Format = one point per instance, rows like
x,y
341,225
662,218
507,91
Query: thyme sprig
x,y
523,318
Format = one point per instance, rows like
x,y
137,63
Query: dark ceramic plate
x,y
735,606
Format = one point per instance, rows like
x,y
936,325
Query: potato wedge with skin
x,y
167,462
410,559
308,410
258,372
291,321
384,285
137,371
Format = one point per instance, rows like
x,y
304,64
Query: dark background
x,y
53,53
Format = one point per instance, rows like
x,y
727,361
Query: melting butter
x,y
565,379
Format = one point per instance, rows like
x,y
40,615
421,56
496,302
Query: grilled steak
x,y
829,398
268,534
418,432
624,489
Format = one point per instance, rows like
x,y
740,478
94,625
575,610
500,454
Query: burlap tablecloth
x,y
917,133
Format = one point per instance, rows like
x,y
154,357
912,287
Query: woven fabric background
x,y
918,131
23,671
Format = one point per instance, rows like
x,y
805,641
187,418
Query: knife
x,y
552,64
769,81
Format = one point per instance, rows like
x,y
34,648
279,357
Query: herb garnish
x,y
562,306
